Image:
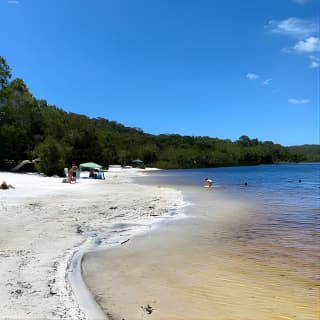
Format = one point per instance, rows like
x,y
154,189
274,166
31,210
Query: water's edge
x,y
73,277
75,284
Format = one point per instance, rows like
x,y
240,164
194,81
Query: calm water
x,y
246,252
277,188
265,182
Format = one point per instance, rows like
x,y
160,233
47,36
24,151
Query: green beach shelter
x,y
90,165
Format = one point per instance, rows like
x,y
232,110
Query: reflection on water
x,y
252,255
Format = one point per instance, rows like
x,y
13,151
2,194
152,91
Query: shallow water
x,y
244,252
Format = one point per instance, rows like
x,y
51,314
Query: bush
x,y
51,157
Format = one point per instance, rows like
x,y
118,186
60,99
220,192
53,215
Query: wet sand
x,y
217,265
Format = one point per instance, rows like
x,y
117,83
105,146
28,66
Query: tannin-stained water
x,y
252,253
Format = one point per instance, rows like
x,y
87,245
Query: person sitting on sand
x,y
5,186
92,174
72,173
209,182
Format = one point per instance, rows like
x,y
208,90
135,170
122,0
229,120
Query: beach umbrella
x,y
137,161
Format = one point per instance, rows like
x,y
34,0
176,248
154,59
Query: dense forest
x,y
30,128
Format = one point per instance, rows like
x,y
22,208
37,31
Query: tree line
x,y
30,128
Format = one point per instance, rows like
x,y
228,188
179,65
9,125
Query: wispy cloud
x,y
301,1
266,82
298,101
252,76
315,62
13,2
295,27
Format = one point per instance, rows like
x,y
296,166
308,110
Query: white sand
x,y
44,223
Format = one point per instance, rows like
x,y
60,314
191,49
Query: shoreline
x,y
48,228
73,276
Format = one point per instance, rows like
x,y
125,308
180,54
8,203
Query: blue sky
x,y
218,68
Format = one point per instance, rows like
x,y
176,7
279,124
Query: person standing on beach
x,y
209,182
74,169
72,173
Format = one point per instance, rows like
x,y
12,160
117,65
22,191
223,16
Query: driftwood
x,y
125,241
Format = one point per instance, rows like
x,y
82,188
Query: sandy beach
x,y
45,227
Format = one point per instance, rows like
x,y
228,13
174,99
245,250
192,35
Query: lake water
x,y
243,252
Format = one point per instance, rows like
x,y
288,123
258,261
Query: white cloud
x,y
266,82
306,32
299,28
13,2
311,44
298,101
252,76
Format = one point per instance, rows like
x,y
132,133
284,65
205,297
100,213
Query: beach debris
x,y
52,282
24,284
125,241
110,316
79,229
34,204
52,291
98,241
148,309
55,266
17,293
22,287
113,208
5,253
121,215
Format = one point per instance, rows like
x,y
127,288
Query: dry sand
x,y
45,223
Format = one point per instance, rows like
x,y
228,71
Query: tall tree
x,y
5,73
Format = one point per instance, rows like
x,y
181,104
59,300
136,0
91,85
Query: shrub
x,y
51,157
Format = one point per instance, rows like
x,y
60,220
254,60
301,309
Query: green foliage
x,y
5,73
51,156
32,128
306,153
13,143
